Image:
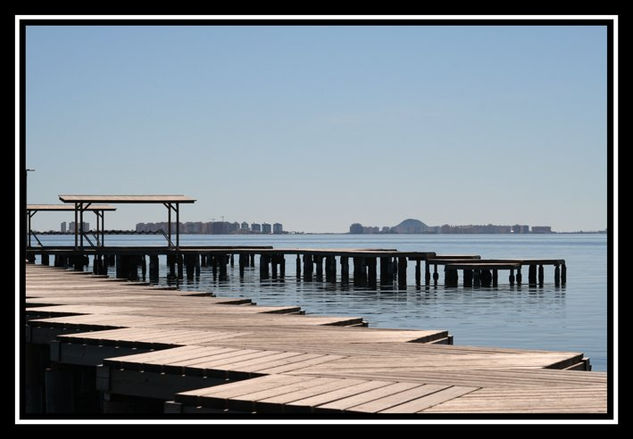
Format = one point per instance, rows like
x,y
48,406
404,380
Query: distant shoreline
x,y
133,232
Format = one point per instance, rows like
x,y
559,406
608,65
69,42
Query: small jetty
x,y
96,344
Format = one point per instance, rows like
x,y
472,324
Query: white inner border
x,y
18,171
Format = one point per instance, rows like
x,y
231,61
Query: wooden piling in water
x,y
223,262
476,278
485,277
386,269
427,273
532,274
519,277
418,272
189,265
511,276
273,263
232,261
557,275
298,267
307,267
371,270
171,263
402,271
330,268
252,257
153,268
179,262
282,266
44,259
541,275
344,269
495,277
143,263
468,277
318,260
263,266
435,275
242,261
451,277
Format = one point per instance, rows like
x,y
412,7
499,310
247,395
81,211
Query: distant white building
x,y
266,228
85,228
63,227
277,229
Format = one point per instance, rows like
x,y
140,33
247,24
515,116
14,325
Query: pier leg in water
x,y
344,269
563,274
418,273
435,275
273,260
486,278
153,268
298,267
179,260
385,270
511,277
468,278
318,260
197,258
402,272
171,263
532,274
282,266
495,277
223,262
451,278
263,266
143,263
252,259
242,261
557,275
371,271
189,266
307,267
44,259
427,273
232,261
519,275
476,278
330,264
540,275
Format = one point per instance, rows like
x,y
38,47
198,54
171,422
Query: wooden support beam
x,y
344,269
468,277
532,274
541,275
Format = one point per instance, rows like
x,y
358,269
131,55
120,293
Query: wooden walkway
x,y
204,354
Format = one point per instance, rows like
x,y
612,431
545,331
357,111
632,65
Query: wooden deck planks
x,y
307,363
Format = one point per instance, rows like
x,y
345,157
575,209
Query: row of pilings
x,y
367,270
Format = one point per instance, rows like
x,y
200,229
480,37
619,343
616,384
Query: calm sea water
x,y
570,318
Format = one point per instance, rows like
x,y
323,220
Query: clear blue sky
x,y
320,127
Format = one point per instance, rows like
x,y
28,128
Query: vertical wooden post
x,y
118,266
495,277
519,277
427,273
263,266
242,261
344,269
232,261
451,278
153,268
435,275
252,259
143,263
298,267
511,277
486,278
282,265
418,272
557,275
402,271
307,267
468,277
541,275
44,259
371,271
223,262
214,266
476,278
273,260
179,261
171,262
532,274
318,259
196,262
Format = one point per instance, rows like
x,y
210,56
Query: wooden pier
x,y
370,267
95,344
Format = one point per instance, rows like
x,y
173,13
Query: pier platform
x,y
101,345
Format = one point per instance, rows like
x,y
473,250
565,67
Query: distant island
x,y
414,226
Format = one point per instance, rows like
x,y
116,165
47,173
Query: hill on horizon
x,y
410,225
